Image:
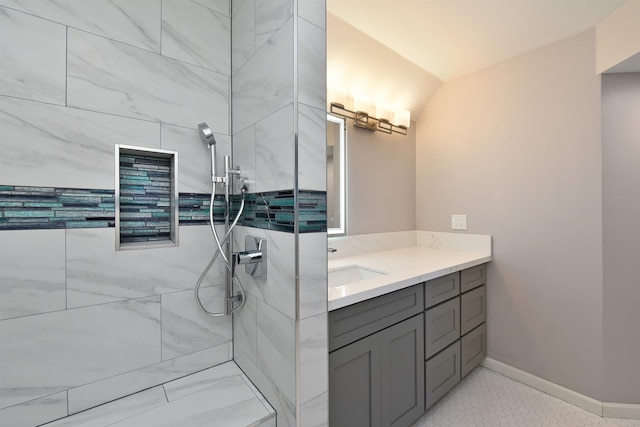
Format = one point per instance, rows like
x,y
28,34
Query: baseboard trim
x,y
555,390
620,410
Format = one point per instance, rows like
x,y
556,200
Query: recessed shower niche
x,y
146,204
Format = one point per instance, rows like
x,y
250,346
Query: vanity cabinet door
x,y
442,373
473,305
442,326
441,289
379,380
473,349
473,277
354,384
402,368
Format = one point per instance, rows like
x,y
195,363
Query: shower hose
x,y
220,251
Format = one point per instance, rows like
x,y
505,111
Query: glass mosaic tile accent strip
x,y
194,209
145,198
312,211
275,211
30,208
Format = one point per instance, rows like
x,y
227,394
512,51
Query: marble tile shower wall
x,y
279,120
82,324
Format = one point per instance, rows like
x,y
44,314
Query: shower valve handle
x,y
248,257
254,258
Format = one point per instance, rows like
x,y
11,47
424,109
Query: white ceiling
x,y
451,38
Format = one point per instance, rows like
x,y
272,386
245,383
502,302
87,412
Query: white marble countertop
x,y
404,267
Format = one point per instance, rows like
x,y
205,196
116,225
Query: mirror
x,y
336,163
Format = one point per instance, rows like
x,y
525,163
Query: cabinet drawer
x,y
442,373
473,305
349,324
473,346
473,277
441,326
441,289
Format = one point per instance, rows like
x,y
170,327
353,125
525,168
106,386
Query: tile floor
x,y
486,398
221,396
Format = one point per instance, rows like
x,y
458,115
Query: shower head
x,y
206,135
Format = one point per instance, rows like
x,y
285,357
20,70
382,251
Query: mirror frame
x,y
342,196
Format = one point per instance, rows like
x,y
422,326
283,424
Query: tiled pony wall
x,y
81,323
279,125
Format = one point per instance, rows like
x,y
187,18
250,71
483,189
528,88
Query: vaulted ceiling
x,y
376,44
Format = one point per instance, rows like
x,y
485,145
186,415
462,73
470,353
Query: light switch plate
x,y
458,222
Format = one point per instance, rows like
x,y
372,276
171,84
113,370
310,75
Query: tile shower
x,y
82,324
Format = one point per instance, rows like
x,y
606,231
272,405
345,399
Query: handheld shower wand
x,y
224,245
206,135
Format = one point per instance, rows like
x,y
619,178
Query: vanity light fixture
x,y
364,115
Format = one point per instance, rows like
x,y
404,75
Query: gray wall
x,y
279,128
381,181
81,323
621,293
516,147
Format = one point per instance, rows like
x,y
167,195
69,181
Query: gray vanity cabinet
x,y
394,356
378,380
455,334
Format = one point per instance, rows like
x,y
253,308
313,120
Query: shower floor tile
x,y
219,396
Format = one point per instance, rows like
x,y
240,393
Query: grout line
x,y
165,392
66,273
161,330
66,67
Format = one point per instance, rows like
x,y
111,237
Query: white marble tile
x,y
194,383
187,329
314,357
194,169
271,422
235,5
313,274
26,43
279,289
314,11
245,327
111,77
35,412
197,35
115,411
315,413
228,403
275,151
277,347
312,148
285,409
312,65
133,22
243,35
32,272
244,154
265,83
220,6
366,243
52,352
106,390
48,145
270,16
97,274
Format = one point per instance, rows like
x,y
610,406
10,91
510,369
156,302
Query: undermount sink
x,y
351,273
